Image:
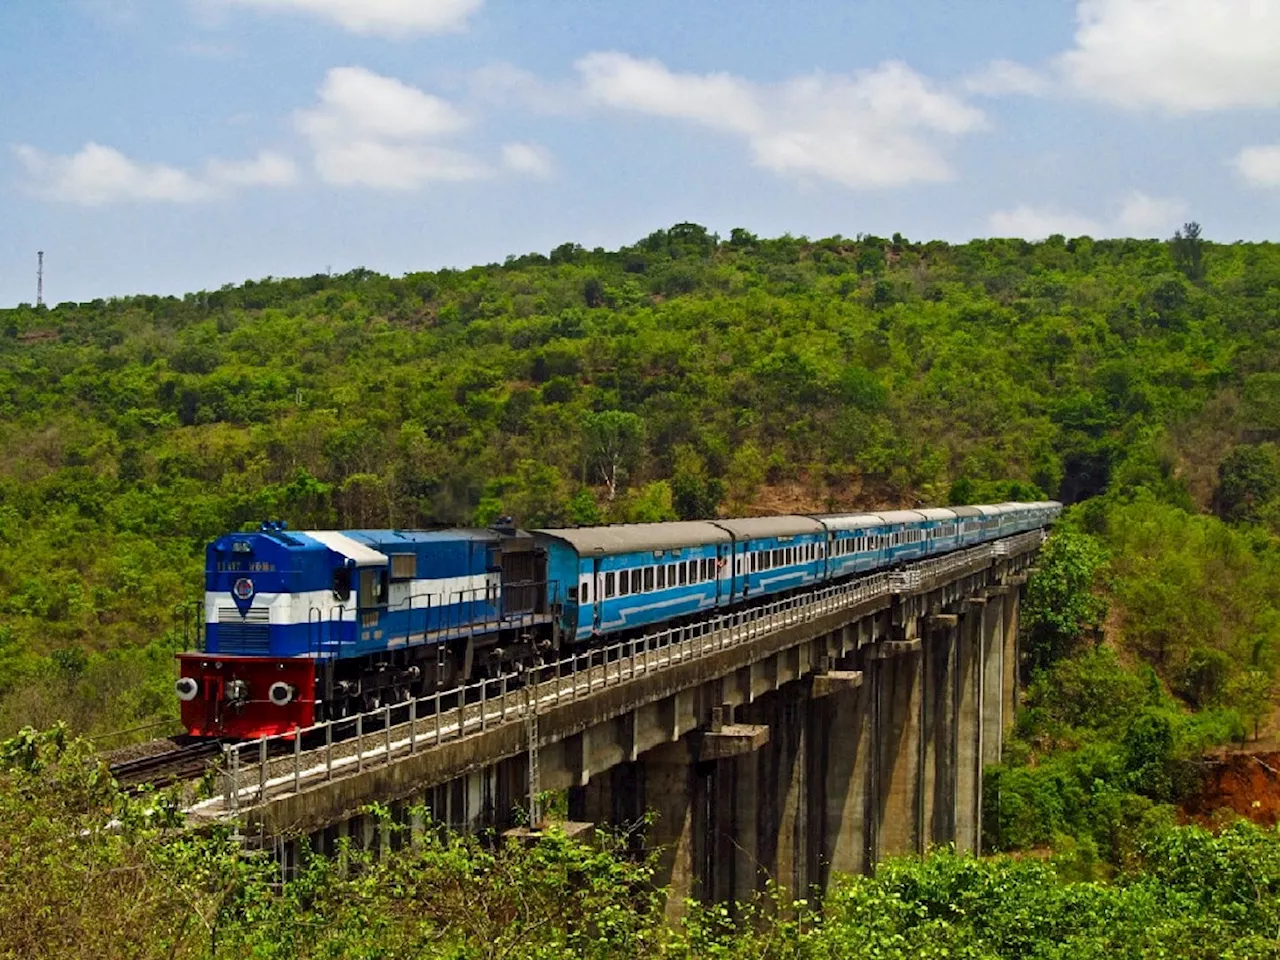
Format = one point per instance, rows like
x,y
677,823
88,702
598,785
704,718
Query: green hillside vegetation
x,y
686,376
683,376
75,890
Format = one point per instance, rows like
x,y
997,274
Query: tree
x,y
593,292
1188,251
1250,692
695,495
1248,480
1061,600
583,509
649,504
746,473
613,440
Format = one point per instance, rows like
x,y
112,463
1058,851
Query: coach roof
x,y
638,537
750,528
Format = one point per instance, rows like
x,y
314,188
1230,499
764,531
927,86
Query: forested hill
x,y
682,376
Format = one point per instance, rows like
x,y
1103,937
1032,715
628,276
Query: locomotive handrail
x,y
462,711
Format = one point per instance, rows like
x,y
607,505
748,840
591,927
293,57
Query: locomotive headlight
x,y
237,691
188,689
281,694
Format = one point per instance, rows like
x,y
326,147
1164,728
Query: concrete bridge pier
x,y
994,634
848,778
968,793
899,692
941,702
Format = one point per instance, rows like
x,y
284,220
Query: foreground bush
x,y
87,873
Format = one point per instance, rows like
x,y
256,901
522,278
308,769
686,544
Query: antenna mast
x,y
40,279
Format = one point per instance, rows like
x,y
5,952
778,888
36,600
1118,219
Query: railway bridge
x,y
816,733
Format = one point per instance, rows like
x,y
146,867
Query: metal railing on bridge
x,y
280,764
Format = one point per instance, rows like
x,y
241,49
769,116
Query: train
x,y
299,627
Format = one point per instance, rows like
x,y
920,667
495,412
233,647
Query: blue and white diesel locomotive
x,y
304,626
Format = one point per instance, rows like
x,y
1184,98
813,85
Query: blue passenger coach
x,y
855,542
636,574
774,554
941,529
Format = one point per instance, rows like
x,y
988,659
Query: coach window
x,y
648,578
635,581
662,578
586,592
608,585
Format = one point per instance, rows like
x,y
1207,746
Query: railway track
x,y
183,757
187,760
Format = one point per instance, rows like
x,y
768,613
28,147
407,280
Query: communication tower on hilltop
x,y
40,279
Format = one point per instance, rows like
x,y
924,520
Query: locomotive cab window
x,y
373,587
342,584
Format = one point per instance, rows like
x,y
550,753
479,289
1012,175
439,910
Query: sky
x,y
169,146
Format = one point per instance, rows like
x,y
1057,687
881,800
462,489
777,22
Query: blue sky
x,y
164,146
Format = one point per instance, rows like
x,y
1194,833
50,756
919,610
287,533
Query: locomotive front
x,y
277,604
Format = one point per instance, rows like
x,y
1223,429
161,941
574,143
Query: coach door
x,y
597,594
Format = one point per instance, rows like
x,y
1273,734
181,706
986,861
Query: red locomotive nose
x,y
245,697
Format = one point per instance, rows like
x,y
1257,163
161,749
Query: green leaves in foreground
x,y
86,873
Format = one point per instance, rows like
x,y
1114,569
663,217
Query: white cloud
x,y
388,18
377,131
874,129
504,83
1138,215
99,175
530,159
1177,55
1036,223
1145,216
393,166
1002,77
1260,166
358,102
267,169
